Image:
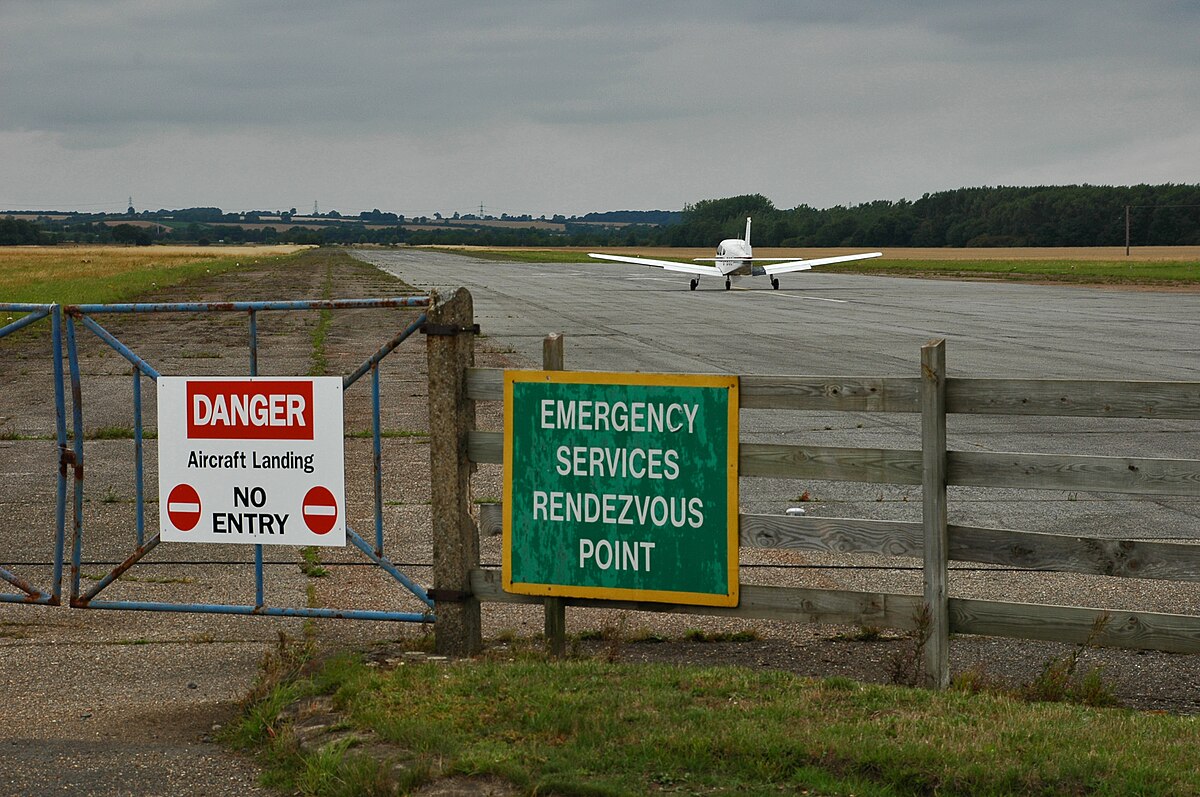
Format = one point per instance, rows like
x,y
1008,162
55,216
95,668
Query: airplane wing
x,y
805,265
669,265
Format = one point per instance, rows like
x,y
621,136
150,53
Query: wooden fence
x,y
935,615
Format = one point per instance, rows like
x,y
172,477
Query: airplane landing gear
x,y
775,283
695,282
728,283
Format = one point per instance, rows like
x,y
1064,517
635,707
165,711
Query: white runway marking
x,y
793,296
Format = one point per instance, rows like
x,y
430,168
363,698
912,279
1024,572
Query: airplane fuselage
x,y
734,257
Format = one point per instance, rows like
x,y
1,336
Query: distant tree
x,y
129,234
18,232
202,215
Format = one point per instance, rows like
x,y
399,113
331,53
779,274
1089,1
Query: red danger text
x,y
258,410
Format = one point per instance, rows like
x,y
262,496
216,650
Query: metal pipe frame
x,y
30,593
375,554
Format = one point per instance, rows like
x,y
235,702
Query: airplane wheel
x,y
774,284
695,283
727,284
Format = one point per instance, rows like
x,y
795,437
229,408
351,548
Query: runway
x,y
632,318
627,318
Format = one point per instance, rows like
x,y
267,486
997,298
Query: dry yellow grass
x,y
26,264
75,271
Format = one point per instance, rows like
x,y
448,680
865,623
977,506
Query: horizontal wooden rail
x,y
964,468
1073,472
1071,397
1048,397
1110,628
1027,550
838,607
1104,627
876,465
823,393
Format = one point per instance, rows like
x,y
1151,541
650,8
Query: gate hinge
x,y
448,330
448,595
66,459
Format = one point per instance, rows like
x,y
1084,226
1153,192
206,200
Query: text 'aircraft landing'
x,y
735,258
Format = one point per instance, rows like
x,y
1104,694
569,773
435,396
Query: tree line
x,y
1076,215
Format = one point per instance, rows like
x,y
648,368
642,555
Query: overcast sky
x,y
574,106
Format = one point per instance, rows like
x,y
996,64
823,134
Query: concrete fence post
x,y
450,350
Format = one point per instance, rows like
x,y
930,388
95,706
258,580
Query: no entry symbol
x,y
183,507
320,510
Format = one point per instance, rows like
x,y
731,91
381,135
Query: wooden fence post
x,y
935,625
555,609
450,350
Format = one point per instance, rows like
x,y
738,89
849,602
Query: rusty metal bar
x,y
33,314
74,458
117,572
377,459
253,343
60,423
139,480
263,611
205,307
383,351
117,346
412,586
36,312
32,593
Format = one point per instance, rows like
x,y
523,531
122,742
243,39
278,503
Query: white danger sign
x,y
256,460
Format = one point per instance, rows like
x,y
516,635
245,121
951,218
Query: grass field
x,y
588,727
1177,266
73,275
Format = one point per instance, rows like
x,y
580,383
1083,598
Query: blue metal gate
x,y
28,591
85,315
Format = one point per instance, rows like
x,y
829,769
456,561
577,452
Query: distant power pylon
x,y
315,211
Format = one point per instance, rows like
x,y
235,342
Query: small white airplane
x,y
735,258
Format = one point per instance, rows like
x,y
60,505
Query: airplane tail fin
x,y
747,230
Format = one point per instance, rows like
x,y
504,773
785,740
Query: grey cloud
x,y
845,99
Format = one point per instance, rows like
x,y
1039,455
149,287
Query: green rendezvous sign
x,y
621,486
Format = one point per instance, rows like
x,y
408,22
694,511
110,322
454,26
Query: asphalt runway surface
x,y
629,318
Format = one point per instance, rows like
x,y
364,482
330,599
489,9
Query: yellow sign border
x,y
730,383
